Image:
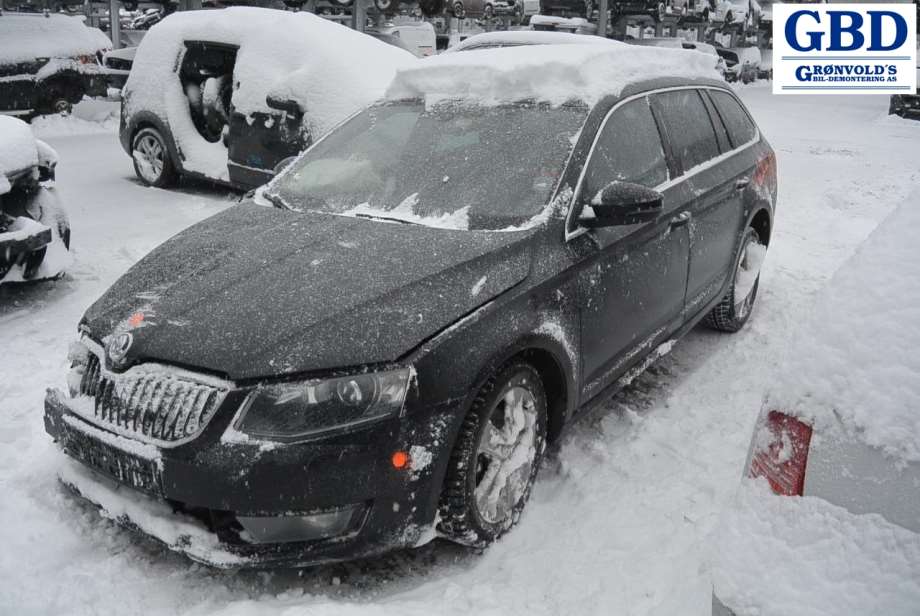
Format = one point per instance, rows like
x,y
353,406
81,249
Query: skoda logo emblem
x,y
118,347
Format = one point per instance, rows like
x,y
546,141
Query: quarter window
x,y
688,127
628,149
739,126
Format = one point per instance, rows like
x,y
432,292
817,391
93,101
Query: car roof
x,y
511,38
554,74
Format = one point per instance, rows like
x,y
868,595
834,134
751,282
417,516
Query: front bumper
x,y
203,488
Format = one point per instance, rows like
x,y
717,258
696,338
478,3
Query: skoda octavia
x,y
376,350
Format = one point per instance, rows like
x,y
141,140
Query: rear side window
x,y
739,126
688,127
628,149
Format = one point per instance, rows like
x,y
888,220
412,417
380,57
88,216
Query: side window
x,y
629,149
688,127
737,122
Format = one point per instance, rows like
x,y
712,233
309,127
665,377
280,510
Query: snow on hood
x,y
856,360
18,150
27,37
548,73
511,38
331,70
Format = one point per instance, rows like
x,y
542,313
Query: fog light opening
x,y
295,528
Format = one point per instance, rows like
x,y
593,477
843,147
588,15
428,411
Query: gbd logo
x,y
845,30
831,48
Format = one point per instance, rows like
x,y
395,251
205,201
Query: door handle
x,y
742,183
680,220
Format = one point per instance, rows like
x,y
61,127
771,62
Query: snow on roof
x,y
17,148
856,360
26,37
548,73
510,38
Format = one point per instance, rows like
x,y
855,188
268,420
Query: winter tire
x,y
152,162
734,310
488,12
662,11
385,6
431,8
496,457
458,11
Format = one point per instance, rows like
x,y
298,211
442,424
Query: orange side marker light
x,y
400,460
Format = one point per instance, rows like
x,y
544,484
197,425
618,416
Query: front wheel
x,y
734,310
495,460
152,162
458,10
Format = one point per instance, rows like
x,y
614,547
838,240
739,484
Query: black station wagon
x,y
383,355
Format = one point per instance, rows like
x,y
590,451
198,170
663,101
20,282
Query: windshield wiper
x,y
387,218
277,201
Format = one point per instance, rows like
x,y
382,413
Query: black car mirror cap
x,y
284,104
623,203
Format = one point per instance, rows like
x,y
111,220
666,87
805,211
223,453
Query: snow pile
x,y
331,70
511,38
856,358
804,556
17,148
548,73
27,37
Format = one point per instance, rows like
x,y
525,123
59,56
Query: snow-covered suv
x,y
443,280
48,63
34,229
228,94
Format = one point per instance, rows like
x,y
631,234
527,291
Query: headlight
x,y
293,411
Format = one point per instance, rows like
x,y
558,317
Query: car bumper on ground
x,y
23,245
230,504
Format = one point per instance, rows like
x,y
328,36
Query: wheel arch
x,y
762,223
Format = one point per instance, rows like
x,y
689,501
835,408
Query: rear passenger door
x,y
712,189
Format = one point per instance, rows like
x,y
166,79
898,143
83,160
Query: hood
x,y
256,292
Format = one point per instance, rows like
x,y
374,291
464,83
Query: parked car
x,y
419,38
906,105
741,12
48,63
829,505
571,25
34,228
689,11
387,350
678,43
118,62
655,9
461,9
229,94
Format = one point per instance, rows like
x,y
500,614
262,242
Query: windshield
x,y
445,166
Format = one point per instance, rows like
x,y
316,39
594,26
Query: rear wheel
x,y
734,310
152,162
495,460
458,11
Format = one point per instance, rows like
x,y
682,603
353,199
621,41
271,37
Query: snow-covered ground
x,y
622,516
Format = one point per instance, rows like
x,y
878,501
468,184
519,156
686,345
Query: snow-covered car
x,y
227,95
34,228
383,355
746,68
48,63
419,38
571,25
516,38
679,43
827,521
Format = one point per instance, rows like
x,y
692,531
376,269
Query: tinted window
x,y
628,149
688,126
737,123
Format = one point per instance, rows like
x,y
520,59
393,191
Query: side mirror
x,y
623,203
284,104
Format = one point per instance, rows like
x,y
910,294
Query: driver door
x,y
632,278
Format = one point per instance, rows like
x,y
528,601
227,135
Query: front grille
x,y
154,406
